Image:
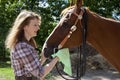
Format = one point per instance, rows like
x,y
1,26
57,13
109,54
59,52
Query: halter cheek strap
x,y
72,29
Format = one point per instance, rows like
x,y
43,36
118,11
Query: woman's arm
x,y
43,58
47,68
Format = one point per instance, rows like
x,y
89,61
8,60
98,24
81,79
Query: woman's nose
x,y
38,27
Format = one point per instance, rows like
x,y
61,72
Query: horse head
x,y
65,34
102,33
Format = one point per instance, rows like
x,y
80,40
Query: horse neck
x,y
103,33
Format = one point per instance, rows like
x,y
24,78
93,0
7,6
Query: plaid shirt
x,y
24,59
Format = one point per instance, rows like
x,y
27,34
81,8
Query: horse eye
x,y
68,16
65,23
65,20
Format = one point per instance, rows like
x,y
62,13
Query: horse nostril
x,y
48,52
55,50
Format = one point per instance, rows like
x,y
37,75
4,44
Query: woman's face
x,y
31,29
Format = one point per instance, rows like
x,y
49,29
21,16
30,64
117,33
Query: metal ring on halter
x,y
80,17
73,28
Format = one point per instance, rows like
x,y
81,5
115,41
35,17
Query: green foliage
x,y
6,74
104,8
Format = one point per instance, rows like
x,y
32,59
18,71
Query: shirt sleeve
x,y
29,58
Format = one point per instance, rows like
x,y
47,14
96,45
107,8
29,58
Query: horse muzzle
x,y
49,51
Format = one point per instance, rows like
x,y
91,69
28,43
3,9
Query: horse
x,y
103,33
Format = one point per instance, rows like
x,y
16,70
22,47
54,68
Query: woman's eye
x,y
36,25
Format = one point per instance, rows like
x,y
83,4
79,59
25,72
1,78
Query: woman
x,y
20,41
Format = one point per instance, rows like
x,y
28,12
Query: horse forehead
x,y
70,11
67,13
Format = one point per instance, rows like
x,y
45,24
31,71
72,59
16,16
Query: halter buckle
x,y
80,17
73,28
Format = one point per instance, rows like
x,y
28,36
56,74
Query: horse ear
x,y
72,2
79,3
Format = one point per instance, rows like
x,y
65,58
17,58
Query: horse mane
x,y
64,12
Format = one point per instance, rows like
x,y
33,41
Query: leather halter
x,y
82,55
72,29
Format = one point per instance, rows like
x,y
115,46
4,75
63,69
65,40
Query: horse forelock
x,y
65,11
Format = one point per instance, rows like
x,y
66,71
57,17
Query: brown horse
x,y
102,33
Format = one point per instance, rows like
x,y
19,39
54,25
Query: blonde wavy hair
x,y
16,33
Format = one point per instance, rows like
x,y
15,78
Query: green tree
x,y
106,8
47,9
7,14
